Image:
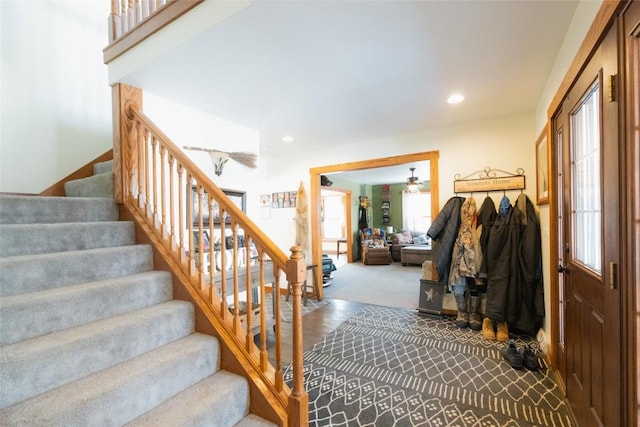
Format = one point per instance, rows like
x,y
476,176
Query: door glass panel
x,y
585,192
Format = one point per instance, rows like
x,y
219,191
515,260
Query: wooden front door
x,y
586,133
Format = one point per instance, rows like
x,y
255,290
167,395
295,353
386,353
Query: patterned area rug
x,y
393,367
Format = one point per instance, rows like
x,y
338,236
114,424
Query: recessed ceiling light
x,y
456,98
287,138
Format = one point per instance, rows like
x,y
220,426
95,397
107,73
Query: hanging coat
x,y
528,312
443,232
467,255
486,215
502,261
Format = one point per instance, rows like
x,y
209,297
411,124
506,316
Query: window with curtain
x,y
416,210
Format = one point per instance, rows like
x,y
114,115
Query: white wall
x,y
55,100
505,143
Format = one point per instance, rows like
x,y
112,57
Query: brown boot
x,y
462,319
487,329
475,318
503,332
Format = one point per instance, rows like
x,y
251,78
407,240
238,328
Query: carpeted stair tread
x,y
100,185
103,167
23,239
32,209
195,406
117,395
40,364
252,420
33,314
31,273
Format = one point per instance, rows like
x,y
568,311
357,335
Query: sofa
x,y
408,238
374,248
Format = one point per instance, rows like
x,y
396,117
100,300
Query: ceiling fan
x,y
412,182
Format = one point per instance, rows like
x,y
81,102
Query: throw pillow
x,y
420,240
404,238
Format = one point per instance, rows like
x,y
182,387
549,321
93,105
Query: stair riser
x,y
35,314
195,407
31,273
30,239
122,393
36,366
103,167
37,210
93,186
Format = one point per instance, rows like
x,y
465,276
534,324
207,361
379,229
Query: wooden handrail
x,y
179,204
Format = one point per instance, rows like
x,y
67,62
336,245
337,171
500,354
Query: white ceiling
x,y
335,72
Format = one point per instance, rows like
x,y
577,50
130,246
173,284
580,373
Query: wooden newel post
x,y
299,399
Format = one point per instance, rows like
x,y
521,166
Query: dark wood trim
x,y
85,171
154,23
629,41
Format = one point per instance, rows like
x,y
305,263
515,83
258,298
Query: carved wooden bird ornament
x,y
220,158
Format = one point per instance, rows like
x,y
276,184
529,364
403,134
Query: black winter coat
x,y
528,313
503,265
443,232
486,216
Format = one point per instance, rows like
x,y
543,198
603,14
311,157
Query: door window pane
x,y
585,199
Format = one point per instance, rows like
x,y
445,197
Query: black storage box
x,y
431,296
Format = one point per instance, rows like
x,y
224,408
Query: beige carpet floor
x,y
391,285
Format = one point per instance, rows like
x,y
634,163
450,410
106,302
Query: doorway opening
x,y
316,192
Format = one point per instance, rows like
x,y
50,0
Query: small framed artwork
x,y
386,205
385,212
542,169
205,240
237,197
265,200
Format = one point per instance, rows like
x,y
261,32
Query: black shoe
x,y
513,355
530,358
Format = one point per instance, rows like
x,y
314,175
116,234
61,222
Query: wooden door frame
x,y
315,173
609,11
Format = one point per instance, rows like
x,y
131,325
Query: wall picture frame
x,y
542,168
237,197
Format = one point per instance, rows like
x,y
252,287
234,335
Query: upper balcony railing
x,y
132,21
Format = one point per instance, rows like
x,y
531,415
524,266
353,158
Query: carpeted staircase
x,y
89,332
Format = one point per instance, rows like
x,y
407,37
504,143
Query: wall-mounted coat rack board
x,y
489,179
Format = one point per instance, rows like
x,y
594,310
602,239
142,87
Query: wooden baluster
x,y
212,264
154,180
236,292
278,380
298,399
264,354
141,167
131,15
143,172
172,213
144,10
181,219
148,173
189,220
115,27
247,269
200,240
223,266
163,193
